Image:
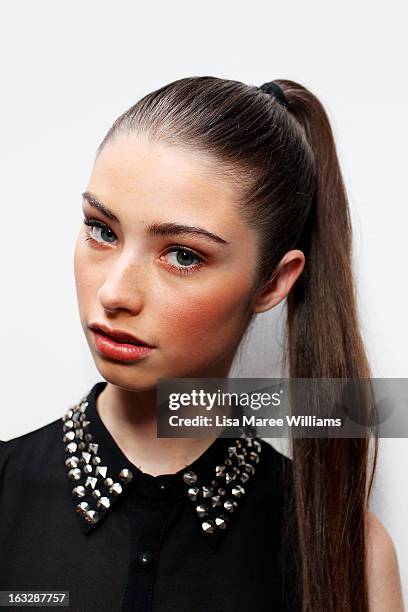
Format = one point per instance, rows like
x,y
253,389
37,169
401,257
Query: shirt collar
x,y
215,485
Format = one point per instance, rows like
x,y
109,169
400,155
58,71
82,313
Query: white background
x,y
69,69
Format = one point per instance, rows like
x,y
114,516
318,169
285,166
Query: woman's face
x,y
186,294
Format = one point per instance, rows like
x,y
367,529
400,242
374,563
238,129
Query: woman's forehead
x,y
132,175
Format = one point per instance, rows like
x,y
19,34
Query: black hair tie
x,y
272,88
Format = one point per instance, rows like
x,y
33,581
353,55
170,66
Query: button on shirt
x,y
77,515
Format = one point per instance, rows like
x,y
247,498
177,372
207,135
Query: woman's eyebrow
x,y
157,229
93,201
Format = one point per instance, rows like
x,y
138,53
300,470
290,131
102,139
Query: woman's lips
x,y
121,351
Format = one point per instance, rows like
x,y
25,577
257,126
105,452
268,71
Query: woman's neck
x,y
131,419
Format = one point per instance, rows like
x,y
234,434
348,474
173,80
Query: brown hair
x,y
284,164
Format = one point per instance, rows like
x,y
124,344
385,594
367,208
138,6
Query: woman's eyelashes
x,y
181,255
100,233
101,227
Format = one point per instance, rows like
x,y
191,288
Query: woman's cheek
x,y
211,320
86,279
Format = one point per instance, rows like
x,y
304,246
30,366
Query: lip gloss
x,y
119,350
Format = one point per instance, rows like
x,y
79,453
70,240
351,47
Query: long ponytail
x,y
324,341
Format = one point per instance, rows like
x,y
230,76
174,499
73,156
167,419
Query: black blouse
x,y
76,515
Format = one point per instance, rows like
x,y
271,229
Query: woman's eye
x,y
99,231
182,259
179,258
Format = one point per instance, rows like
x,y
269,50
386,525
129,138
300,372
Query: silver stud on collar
x,y
190,477
97,490
94,486
226,491
125,475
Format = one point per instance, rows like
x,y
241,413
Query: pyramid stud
x,y
202,510
221,522
102,470
82,507
103,503
91,482
238,491
91,517
86,457
193,493
116,488
229,477
208,526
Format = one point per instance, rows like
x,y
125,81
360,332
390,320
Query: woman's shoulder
x,y
32,448
31,437
384,582
32,476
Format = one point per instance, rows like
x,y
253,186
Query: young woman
x,y
209,201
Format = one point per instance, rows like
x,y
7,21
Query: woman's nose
x,y
122,288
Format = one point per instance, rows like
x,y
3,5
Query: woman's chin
x,y
129,377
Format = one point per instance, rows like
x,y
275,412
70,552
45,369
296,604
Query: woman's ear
x,y
278,286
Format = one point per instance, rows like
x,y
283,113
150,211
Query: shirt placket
x,y
149,520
